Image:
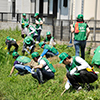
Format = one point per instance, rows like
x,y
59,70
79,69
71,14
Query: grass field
x,y
27,88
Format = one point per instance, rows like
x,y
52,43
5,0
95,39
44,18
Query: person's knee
x,y
68,74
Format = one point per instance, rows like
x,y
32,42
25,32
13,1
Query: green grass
x,y
27,88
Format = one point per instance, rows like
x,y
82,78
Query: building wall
x,y
23,6
3,5
89,9
62,12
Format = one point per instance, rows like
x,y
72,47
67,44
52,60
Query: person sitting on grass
x,y
49,50
28,43
22,63
11,42
49,39
79,71
45,70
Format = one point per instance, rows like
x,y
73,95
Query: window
x,y
65,3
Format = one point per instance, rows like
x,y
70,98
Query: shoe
x,y
37,42
79,88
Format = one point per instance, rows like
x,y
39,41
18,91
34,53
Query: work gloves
x,y
74,71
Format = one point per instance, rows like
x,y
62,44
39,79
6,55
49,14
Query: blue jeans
x,y
80,45
22,69
39,32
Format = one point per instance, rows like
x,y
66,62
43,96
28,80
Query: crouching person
x,y
44,70
49,50
20,64
79,70
11,42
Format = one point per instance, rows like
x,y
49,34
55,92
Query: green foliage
x,y
27,88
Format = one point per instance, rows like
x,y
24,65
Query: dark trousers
x,y
49,54
39,33
84,77
14,44
42,75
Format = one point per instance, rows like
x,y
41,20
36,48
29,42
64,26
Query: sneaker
x,y
37,42
79,88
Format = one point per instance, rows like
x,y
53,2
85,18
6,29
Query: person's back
x,y
49,50
96,57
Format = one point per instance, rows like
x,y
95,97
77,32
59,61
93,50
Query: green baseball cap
x,y
28,41
14,54
34,54
48,33
62,56
80,16
24,14
36,14
8,37
41,43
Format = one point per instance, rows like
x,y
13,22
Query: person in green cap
x,y
96,57
49,39
39,23
81,32
23,64
78,70
11,42
24,21
28,43
49,50
32,31
44,70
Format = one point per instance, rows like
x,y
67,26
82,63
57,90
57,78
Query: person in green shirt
x,y
81,32
39,23
32,31
28,45
11,42
96,57
24,21
49,39
22,64
44,70
49,50
78,70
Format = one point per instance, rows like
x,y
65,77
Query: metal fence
x,y
61,28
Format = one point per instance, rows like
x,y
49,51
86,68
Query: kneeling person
x,y
79,71
28,45
11,42
21,64
49,50
45,70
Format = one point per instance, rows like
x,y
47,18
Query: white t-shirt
x,y
45,66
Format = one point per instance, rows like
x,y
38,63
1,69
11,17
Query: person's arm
x,y
12,70
44,52
83,63
88,32
37,22
72,28
42,63
32,30
39,66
